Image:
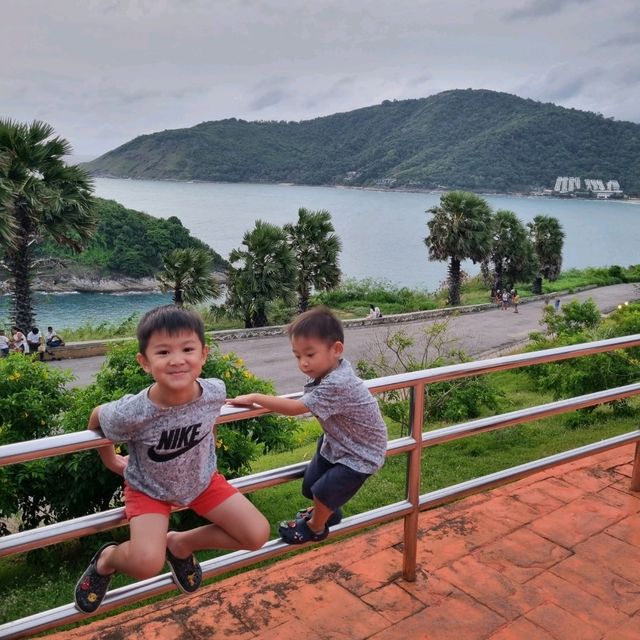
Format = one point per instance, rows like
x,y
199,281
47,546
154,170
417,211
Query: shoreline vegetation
x,y
353,297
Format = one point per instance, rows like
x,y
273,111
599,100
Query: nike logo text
x,y
176,442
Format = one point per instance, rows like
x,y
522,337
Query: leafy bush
x,y
580,322
453,401
355,296
32,397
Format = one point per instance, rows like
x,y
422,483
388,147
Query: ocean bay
x,y
382,233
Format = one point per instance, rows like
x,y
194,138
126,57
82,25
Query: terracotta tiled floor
x,y
555,556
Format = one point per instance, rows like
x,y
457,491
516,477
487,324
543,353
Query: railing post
x,y
416,412
635,474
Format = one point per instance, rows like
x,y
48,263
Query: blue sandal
x,y
92,587
298,532
334,519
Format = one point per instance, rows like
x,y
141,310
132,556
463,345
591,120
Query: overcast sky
x,y
104,71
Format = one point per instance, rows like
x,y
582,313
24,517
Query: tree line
x,y
463,227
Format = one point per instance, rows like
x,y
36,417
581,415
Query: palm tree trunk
x,y
259,318
177,298
454,282
303,299
20,263
536,287
499,276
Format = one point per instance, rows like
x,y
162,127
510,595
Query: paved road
x,y
476,334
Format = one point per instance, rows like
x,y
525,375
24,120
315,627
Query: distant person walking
x,y
516,301
556,304
505,300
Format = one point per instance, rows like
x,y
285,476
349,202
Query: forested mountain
x,y
129,243
471,139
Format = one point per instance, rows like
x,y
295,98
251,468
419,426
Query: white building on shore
x,y
570,186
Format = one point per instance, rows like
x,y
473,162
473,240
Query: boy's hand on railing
x,y
247,400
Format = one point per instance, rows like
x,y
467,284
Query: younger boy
x,y
354,442
168,428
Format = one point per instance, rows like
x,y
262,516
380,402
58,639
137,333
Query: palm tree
x,y
43,199
547,237
187,273
267,273
315,247
6,219
460,229
512,253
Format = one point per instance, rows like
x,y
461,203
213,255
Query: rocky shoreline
x,y
77,284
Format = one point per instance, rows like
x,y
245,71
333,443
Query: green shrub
x,y
452,401
32,398
578,323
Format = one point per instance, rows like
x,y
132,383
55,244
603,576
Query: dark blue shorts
x,y
333,484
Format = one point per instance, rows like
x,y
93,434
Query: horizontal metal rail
x,y
67,443
94,523
82,440
469,487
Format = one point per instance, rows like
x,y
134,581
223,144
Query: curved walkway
x,y
481,333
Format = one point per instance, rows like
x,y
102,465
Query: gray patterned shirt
x,y
355,433
172,451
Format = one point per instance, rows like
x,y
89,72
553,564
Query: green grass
x,y
45,578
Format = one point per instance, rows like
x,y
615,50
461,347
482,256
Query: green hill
x,y
129,243
470,139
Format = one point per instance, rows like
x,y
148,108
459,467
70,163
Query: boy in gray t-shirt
x,y
354,441
168,429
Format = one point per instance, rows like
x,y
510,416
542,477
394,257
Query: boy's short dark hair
x,y
317,323
170,319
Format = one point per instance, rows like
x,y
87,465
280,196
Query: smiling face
x,y
174,361
315,357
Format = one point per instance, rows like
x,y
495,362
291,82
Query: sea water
x,y
382,232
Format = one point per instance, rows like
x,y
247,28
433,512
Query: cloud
x,y
268,98
630,39
542,8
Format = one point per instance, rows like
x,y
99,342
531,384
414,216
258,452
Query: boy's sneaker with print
x,y
186,572
92,587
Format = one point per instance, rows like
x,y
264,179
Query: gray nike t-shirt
x,y
355,433
172,451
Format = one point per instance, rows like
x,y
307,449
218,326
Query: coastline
x,y
400,188
76,284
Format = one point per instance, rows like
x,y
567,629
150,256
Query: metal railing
x,y
409,508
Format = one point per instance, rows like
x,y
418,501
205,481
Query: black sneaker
x,y
92,587
186,572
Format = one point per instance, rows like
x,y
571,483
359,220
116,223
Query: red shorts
x,y
137,503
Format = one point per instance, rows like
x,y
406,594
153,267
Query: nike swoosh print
x,y
163,457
